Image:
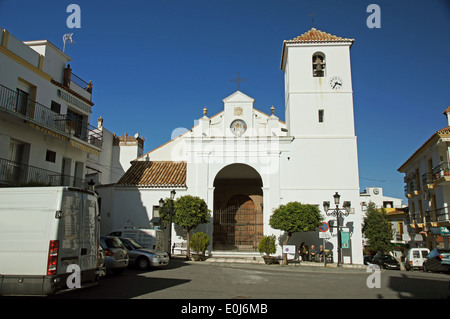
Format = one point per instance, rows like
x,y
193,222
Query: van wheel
x,y
143,263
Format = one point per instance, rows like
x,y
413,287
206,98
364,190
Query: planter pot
x,y
198,257
269,260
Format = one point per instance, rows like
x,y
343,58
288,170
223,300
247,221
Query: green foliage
x,y
200,242
267,245
190,211
377,229
296,217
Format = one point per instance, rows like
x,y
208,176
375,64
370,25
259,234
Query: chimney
x,y
447,112
100,122
67,76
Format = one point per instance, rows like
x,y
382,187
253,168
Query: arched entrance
x,y
238,211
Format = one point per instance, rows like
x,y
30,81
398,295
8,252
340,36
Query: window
x,y
318,63
56,107
22,101
50,156
321,115
77,123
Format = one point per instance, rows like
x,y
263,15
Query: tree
x,y
377,229
295,217
188,212
267,245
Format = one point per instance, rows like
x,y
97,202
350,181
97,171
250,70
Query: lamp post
x,y
337,212
171,212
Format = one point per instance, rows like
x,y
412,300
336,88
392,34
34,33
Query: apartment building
x,y
427,187
45,110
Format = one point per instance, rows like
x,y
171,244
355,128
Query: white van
x,y
148,238
43,230
415,258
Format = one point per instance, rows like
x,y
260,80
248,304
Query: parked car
x,y
101,266
386,262
438,260
415,258
116,255
142,257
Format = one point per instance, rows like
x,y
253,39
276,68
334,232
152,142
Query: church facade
x,y
245,163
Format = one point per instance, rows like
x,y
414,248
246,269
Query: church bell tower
x,y
318,85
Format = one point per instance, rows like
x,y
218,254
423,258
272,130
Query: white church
x,y
245,163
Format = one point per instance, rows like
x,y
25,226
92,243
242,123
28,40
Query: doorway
x,y
238,209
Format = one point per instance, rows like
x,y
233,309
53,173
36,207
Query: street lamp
x,y
337,212
171,212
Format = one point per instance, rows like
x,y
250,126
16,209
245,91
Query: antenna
x,y
67,36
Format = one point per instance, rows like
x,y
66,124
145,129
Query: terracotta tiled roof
x,y
315,36
155,174
445,130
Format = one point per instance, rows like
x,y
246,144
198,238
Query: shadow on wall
x,y
122,207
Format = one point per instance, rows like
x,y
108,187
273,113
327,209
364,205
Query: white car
x,y
142,257
415,258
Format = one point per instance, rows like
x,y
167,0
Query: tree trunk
x,y
285,261
188,245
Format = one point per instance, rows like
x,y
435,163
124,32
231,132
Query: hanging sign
x,y
345,239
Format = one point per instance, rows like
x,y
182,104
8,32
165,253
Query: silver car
x,y
116,255
142,257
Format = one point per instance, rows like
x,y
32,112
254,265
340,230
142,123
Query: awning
x,y
84,147
442,231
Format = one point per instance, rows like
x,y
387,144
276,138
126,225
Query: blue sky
x,y
156,64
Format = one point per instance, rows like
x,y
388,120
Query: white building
x,y
427,187
115,159
45,135
245,163
376,196
45,110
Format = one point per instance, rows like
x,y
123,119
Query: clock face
x,y
336,83
376,191
238,127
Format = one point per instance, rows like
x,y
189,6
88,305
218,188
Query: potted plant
x,y
267,246
199,243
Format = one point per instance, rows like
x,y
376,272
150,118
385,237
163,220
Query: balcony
x,y
441,172
428,181
17,174
412,187
442,215
37,113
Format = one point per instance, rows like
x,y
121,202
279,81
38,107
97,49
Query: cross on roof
x,y
312,15
238,81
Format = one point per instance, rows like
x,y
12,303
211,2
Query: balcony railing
x,y
411,186
18,174
40,114
443,169
442,214
81,83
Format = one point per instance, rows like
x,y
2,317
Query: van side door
x,y
89,233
